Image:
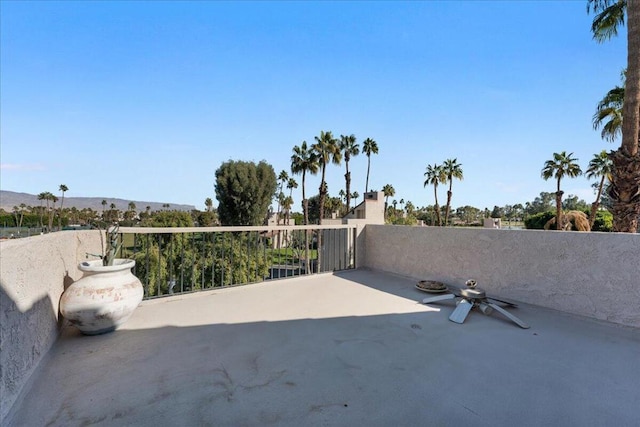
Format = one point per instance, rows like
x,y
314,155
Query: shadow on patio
x,y
350,349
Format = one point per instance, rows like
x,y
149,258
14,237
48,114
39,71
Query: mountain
x,y
9,199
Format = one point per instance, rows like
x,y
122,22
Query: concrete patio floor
x,y
355,348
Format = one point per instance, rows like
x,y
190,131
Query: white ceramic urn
x,y
104,298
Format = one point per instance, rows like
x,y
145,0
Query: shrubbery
x,y
603,222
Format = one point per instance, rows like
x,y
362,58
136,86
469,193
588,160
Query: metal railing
x,y
178,260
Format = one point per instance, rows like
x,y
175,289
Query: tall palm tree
x,y
355,195
291,184
287,202
434,176
388,191
282,179
63,188
342,195
452,169
560,166
369,146
327,150
304,160
624,190
208,204
54,199
104,206
42,196
349,148
599,167
22,208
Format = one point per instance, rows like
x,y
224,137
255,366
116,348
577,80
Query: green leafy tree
x,y
538,220
331,205
349,148
168,219
205,219
560,166
452,170
433,176
244,191
574,203
542,203
369,147
468,214
497,212
208,204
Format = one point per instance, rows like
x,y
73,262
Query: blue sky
x,y
145,100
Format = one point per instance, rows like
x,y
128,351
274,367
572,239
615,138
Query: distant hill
x,y
9,199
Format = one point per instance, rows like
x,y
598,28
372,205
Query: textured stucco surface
x,y
33,274
590,274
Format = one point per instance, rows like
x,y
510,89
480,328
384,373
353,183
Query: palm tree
x,y
609,16
104,205
452,169
355,195
369,147
22,208
282,178
287,202
327,150
42,196
625,176
434,176
63,188
560,166
609,114
54,199
304,160
409,208
208,203
291,184
599,167
349,148
388,191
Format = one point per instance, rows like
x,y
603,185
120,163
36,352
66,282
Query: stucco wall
x,y
590,274
33,274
